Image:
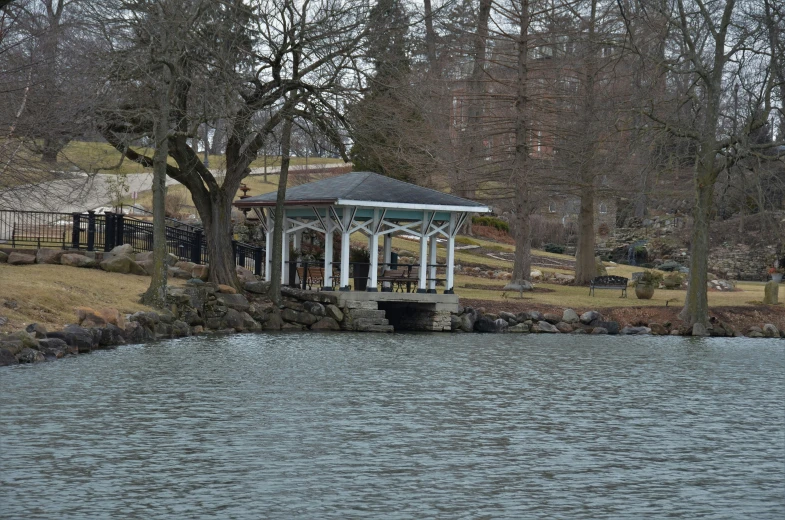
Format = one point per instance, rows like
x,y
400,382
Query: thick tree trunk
x,y
696,303
52,147
277,255
585,266
218,234
156,293
522,261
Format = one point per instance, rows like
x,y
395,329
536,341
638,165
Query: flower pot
x,y
777,277
644,291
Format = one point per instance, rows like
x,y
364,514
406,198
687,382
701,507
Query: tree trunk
x,y
156,293
277,255
585,266
522,261
218,234
52,147
696,303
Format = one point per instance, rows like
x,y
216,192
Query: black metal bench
x,y
609,282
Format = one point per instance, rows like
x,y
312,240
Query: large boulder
x,y
135,332
486,324
3,259
29,355
77,260
36,330
232,320
519,286
628,330
570,316
6,358
552,318
123,265
564,327
48,256
273,322
111,335
326,324
611,327
226,289
26,339
520,327
180,329
332,311
257,287
544,326
244,275
237,302
770,330
123,250
589,316
315,308
301,317
200,272
54,348
20,259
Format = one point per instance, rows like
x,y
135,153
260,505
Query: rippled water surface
x,y
399,426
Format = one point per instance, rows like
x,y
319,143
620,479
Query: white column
x,y
345,220
298,239
432,261
423,253
328,253
268,249
285,252
374,249
450,256
387,255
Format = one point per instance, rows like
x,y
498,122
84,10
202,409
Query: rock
x,y
135,332
257,287
530,315
201,272
335,313
180,329
120,264
570,316
29,355
163,330
611,326
699,329
552,318
564,328
237,302
486,324
26,339
518,287
6,358
455,322
303,318
185,265
326,323
273,322
756,334
3,259
226,289
14,346
36,330
589,316
536,274
249,323
20,259
195,282
579,331
507,316
245,275
123,250
635,330
544,326
111,335
771,293
771,331
658,330
315,308
180,273
520,327
564,278
77,260
145,319
80,338
49,256
468,320
599,330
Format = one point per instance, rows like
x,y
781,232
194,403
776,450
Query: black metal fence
x,y
92,232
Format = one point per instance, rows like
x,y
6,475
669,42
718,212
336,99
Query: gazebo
x,y
374,205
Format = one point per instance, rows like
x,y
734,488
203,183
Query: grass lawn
x,y
48,294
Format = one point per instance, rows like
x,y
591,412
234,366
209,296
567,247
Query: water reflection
x,y
399,426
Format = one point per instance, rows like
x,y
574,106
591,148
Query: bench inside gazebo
x,y
379,207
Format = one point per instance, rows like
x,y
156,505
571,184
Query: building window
x,y
551,207
603,208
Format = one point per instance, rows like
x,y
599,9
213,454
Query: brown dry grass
x,y
48,294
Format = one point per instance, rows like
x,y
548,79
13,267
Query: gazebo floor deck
x,y
434,301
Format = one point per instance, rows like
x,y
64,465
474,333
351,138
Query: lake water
x,y
399,426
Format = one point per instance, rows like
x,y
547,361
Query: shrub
x,y
494,222
554,248
650,278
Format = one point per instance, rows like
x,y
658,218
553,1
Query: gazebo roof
x,y
366,189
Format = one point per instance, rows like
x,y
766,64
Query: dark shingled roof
x,y
361,186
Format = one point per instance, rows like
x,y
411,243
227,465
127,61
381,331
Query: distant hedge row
x,y
492,222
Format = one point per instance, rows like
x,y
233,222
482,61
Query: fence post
x,y
196,247
234,251
91,230
258,253
76,231
119,229
109,231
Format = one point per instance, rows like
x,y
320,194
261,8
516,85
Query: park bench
x,y
609,282
314,276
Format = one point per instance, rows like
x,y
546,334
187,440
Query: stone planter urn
x,y
644,291
776,277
